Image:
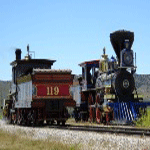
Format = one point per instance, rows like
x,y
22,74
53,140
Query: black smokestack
x,y
18,54
118,38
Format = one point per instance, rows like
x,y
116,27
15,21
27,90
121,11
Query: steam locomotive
x,y
108,92
38,93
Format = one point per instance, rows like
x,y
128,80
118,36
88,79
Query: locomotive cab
x,y
89,74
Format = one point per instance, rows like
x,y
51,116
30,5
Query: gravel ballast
x,y
84,140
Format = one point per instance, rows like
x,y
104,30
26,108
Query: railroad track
x,y
100,129
108,129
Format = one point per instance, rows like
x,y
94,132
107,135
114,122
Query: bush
x,y
1,116
144,120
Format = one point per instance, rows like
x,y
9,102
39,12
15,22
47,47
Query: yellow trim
x,y
112,96
109,96
24,79
139,96
52,97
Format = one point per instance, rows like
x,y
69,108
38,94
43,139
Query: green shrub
x,y
144,120
1,116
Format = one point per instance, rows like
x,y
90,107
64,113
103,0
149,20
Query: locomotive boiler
x,y
38,93
108,92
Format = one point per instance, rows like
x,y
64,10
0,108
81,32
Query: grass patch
x,y
72,121
14,141
1,116
144,121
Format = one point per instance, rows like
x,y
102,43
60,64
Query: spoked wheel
x,y
41,123
28,122
33,118
90,99
10,119
52,122
20,119
14,119
63,123
98,115
107,118
28,119
47,122
58,122
33,122
91,114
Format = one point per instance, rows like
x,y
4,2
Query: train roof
x,y
90,63
24,61
52,71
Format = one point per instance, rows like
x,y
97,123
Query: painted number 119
x,y
52,90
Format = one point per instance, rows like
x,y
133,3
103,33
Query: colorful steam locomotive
x,y
38,93
108,92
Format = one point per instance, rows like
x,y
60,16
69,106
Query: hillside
x,y
142,82
4,90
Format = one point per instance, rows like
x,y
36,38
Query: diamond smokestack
x,y
118,38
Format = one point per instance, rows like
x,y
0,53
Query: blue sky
x,y
71,31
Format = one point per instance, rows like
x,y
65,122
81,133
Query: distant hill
x,y
4,90
142,83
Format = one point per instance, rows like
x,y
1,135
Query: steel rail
x,y
108,129
99,129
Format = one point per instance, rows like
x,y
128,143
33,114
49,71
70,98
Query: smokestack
x,y
18,54
118,38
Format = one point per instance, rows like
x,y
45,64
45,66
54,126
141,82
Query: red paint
x,y
69,103
52,90
98,115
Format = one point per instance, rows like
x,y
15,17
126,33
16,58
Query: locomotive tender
x,y
38,93
108,92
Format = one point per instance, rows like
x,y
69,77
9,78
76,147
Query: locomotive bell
x,y
104,62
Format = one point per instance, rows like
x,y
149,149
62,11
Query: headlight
x,y
128,58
